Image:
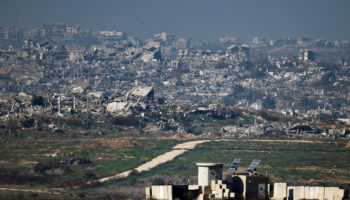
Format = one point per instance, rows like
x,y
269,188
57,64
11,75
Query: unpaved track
x,y
168,156
177,150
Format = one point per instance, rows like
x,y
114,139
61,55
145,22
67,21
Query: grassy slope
x,y
19,156
323,161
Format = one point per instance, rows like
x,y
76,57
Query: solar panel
x,y
253,166
234,165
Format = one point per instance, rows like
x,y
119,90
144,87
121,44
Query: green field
x,y
307,162
108,156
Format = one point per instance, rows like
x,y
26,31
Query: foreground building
x,y
250,185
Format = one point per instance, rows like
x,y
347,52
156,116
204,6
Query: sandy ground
x,y
177,150
347,145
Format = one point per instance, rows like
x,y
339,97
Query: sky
x,y
205,20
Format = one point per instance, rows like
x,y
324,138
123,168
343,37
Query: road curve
x,y
168,156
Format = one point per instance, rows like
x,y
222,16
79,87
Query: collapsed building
x,y
241,186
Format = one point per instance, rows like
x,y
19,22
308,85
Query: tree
x,y
129,120
158,181
27,123
12,126
38,101
269,102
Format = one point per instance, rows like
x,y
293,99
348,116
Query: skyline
x,y
200,20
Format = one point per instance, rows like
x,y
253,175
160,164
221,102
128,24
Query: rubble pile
x,y
64,71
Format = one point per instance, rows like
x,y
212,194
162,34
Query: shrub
x,y
38,101
27,123
125,120
133,172
268,116
12,125
74,122
42,167
158,181
90,175
81,195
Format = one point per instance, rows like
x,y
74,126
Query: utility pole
x,y
74,102
59,104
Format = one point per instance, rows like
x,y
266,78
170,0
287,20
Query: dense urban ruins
x,y
248,185
63,71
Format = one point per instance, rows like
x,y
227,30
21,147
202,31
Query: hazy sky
x,y
198,19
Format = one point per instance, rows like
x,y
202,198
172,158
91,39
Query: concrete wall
x,y
160,192
247,187
206,174
333,193
203,178
279,191
307,192
299,192
317,192
311,192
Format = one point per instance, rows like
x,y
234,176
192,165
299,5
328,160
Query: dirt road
x,y
177,150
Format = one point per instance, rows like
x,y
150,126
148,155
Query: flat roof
x,y
209,164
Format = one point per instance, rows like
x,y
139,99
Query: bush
x,y
27,123
49,165
12,125
90,175
269,102
158,181
74,122
125,120
325,118
133,172
268,116
161,100
195,130
38,101
81,195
